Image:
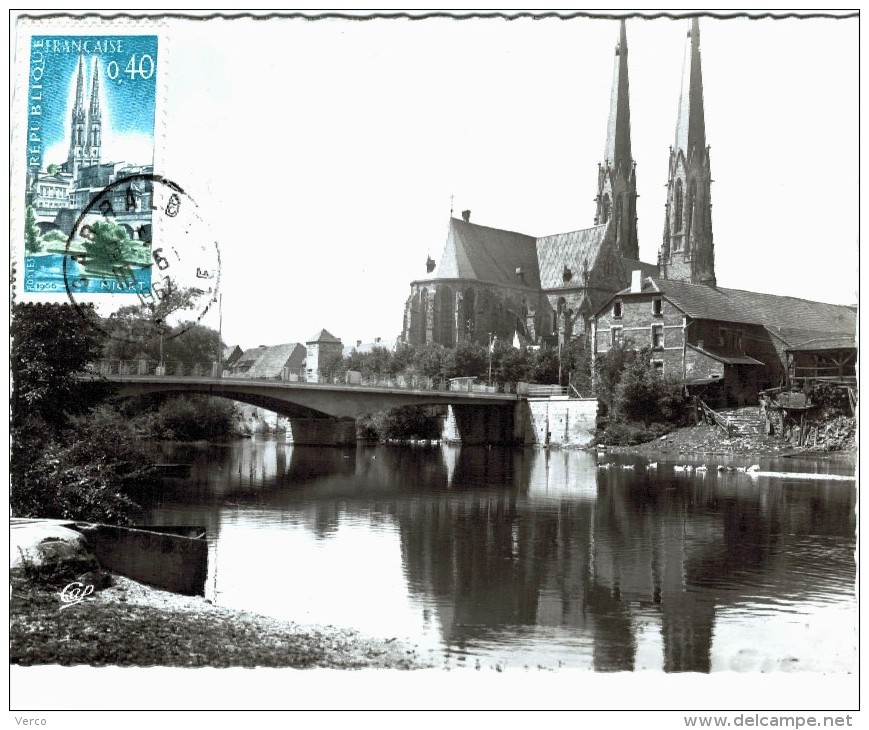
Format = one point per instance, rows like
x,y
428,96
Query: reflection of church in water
x,y
59,193
502,542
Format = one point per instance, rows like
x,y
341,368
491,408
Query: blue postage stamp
x,y
89,163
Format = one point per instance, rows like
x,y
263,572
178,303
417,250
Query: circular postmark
x,y
140,246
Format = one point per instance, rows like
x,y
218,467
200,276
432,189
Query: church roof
x,y
323,336
575,249
488,255
792,319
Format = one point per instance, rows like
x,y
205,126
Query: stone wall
x,y
321,431
171,562
556,421
560,421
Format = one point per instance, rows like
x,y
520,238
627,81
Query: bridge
x,y
322,412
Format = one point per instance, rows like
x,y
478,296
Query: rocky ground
x,y
837,435
130,624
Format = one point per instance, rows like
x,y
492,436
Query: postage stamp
x,y
95,219
90,127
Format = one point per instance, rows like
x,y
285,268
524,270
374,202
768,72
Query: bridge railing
x,y
145,367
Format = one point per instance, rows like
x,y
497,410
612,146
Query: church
x,y
513,286
59,193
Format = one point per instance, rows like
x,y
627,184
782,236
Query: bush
x,y
642,395
189,418
631,433
400,423
93,471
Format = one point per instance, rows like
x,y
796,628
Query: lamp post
x,y
491,347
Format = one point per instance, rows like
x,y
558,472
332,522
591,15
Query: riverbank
x,y
706,439
131,624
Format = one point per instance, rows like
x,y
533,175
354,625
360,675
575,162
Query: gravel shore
x,y
130,624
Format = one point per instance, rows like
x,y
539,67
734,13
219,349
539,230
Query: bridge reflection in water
x,y
530,556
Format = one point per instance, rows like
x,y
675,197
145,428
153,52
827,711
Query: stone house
x,y
724,344
319,349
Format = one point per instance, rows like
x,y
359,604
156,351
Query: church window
x,y
692,205
678,205
605,208
617,310
618,218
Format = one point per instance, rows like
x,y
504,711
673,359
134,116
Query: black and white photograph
x,y
435,360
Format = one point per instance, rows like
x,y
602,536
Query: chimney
x,y
636,281
466,214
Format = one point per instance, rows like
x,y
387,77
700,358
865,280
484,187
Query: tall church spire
x,y
687,252
77,124
94,124
617,184
618,137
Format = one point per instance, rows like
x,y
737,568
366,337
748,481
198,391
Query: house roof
x,y
230,354
488,255
790,318
323,336
249,357
729,358
840,342
272,360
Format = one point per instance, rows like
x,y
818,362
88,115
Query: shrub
x,y
400,423
631,433
93,471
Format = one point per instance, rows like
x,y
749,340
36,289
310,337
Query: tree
x,y
32,242
51,344
608,372
70,459
108,245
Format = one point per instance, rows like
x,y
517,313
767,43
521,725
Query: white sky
x,y
324,153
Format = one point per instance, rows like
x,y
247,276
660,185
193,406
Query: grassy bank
x,y
129,624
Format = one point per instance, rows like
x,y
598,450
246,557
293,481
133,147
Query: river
x,y
532,558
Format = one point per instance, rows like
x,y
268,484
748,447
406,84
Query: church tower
x,y
617,182
77,141
687,252
94,124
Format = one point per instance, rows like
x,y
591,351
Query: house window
x,y
657,307
658,367
615,336
722,337
658,336
617,310
739,347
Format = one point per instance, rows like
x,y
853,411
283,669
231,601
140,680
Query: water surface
x,y
532,557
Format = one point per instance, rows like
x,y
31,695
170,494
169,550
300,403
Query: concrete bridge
x,y
325,413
